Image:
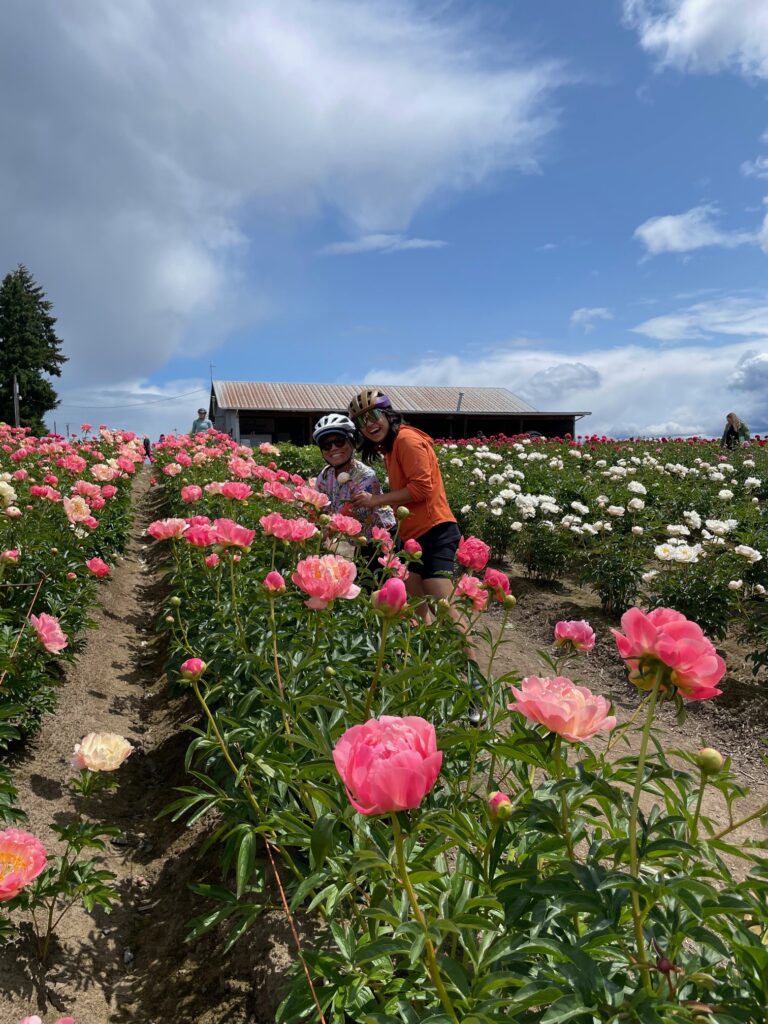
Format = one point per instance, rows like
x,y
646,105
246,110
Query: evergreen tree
x,y
29,348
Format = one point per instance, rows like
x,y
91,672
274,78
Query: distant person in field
x,y
736,432
344,476
202,423
147,447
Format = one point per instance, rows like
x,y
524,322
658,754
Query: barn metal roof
x,y
266,396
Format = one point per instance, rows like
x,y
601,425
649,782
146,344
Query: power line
x,y
135,405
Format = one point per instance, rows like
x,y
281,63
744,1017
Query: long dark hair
x,y
370,451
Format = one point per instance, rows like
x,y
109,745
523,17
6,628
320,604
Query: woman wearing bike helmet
x,y
344,476
415,482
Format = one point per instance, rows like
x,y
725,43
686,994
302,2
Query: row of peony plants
x,y
546,865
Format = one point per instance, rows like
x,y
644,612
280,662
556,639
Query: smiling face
x,y
337,450
374,425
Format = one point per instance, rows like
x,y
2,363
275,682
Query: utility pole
x,y
16,417
67,430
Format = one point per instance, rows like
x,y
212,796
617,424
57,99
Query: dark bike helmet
x,y
369,398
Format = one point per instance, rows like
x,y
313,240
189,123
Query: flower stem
x,y
434,970
743,821
377,670
697,813
634,866
278,676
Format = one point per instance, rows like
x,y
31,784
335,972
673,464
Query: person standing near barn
x,y
202,423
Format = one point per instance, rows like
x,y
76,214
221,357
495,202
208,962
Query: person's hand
x,y
363,500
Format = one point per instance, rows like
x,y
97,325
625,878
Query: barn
x,y
256,411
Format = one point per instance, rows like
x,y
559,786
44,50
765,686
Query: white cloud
x,y
684,232
757,168
144,195
733,316
380,243
586,316
630,389
704,35
751,373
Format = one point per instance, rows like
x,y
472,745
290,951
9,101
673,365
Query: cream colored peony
x,y
101,752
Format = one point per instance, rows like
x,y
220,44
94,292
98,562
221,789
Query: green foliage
x,y
29,347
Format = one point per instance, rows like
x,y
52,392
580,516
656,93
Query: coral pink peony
x,y
391,599
311,497
576,632
211,560
236,491
571,711
167,529
101,752
388,764
378,533
231,535
10,555
273,489
192,668
497,583
191,493
22,858
473,553
34,1019
325,578
200,536
49,632
296,530
665,639
98,567
471,588
274,582
412,548
500,806
345,525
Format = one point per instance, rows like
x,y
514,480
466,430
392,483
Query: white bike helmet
x,y
334,423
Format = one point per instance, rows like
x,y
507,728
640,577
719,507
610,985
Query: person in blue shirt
x,y
202,423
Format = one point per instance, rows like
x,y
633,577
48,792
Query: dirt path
x,y
132,965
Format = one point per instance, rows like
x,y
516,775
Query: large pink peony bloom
x,y
576,632
296,530
273,489
388,764
471,588
232,535
497,583
236,491
22,858
167,529
101,752
311,497
346,525
98,567
200,536
49,632
325,578
76,509
571,711
473,553
665,637
391,599
191,493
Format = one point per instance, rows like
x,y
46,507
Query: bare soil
x,y
134,965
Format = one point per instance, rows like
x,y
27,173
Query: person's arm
x,y
364,499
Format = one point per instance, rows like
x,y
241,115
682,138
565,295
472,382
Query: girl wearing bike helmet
x,y
344,476
416,483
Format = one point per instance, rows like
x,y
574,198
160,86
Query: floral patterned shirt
x,y
361,478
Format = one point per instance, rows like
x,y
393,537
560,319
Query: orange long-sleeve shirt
x,y
412,463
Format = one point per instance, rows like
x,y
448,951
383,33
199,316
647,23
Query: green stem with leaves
x,y
377,670
432,967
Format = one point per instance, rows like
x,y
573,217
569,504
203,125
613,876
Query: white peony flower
x,y
736,584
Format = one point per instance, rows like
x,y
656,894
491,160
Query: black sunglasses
x,y
333,442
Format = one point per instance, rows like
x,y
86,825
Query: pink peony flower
x,y
34,1019
666,638
101,752
388,764
231,535
167,529
76,509
191,493
326,578
295,530
236,491
22,858
108,491
412,548
345,525
576,632
500,806
571,711
274,582
473,553
97,567
472,589
383,537
391,599
192,668
497,583
49,632
200,536
211,560
273,489
311,497
9,555
197,521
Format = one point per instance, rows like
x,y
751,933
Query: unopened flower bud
x,y
325,519
169,618
403,512
710,760
510,601
444,605
54,551
361,540
175,602
500,806
330,671
343,478
192,668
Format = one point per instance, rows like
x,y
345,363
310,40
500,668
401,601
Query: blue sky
x,y
566,199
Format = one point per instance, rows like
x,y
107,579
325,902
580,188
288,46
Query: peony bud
x,y
510,601
330,671
175,602
710,760
500,806
169,618
343,478
403,512
274,582
391,599
324,519
192,668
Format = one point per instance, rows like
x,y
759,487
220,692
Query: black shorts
x,y
438,552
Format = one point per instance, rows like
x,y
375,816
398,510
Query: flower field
x,y
551,863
